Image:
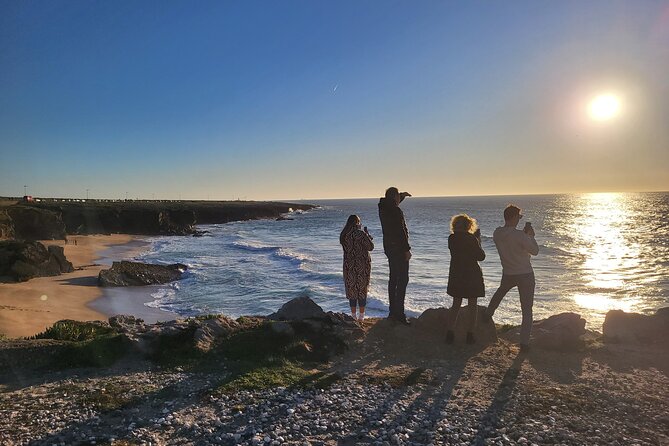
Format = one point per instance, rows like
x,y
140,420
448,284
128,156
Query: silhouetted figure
x,y
397,249
465,279
357,264
515,248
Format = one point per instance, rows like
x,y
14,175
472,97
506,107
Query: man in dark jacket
x,y
397,249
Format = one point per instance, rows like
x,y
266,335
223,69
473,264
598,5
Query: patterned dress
x,y
357,263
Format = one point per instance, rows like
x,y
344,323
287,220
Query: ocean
x,y
597,252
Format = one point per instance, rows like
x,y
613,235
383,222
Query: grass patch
x,y
280,374
258,358
400,376
99,352
68,330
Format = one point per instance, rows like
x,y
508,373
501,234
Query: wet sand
x,y
28,308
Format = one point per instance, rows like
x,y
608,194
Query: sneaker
x,y
450,336
470,338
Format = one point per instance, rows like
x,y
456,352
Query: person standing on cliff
x,y
397,249
515,248
357,243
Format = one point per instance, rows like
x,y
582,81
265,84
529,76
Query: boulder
x,y
299,308
127,273
302,314
433,323
210,331
127,323
562,331
637,328
21,261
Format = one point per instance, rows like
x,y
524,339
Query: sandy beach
x,y
29,307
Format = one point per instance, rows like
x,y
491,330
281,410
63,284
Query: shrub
x,y
68,330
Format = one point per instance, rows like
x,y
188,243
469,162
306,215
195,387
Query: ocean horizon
x,y
598,252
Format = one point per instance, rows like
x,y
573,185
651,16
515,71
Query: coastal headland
x,y
86,230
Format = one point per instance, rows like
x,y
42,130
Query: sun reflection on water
x,y
609,256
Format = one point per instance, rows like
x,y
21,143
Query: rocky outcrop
x,y
127,273
562,332
21,261
433,323
105,219
637,328
298,309
210,331
302,313
6,225
32,223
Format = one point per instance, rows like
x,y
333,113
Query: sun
x,y
604,107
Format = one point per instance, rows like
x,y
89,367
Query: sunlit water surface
x,y
597,252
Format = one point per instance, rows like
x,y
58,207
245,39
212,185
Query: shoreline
x,y
28,308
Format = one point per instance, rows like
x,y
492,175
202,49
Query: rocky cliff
x,y
54,219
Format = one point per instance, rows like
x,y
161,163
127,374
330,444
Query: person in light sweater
x,y
515,248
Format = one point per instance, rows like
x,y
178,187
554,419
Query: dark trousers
x,y
525,284
397,284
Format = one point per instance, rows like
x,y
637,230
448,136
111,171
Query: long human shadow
x,y
499,401
397,346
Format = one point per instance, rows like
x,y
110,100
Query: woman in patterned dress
x,y
357,263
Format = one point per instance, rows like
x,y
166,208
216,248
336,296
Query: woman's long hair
x,y
350,224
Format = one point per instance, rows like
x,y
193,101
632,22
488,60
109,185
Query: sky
x,y
316,99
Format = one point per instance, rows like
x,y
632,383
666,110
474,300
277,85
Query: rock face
x,y
30,223
562,331
637,328
6,225
433,322
209,331
21,261
127,273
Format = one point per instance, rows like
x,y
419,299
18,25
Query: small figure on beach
x,y
465,279
397,249
357,243
515,248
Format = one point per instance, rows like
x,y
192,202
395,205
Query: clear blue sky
x,y
312,99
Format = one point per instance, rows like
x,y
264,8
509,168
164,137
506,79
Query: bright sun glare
x,y
604,107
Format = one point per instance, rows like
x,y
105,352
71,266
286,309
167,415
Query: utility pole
x,y
86,194
25,190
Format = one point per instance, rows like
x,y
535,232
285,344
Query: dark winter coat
x,y
465,278
395,232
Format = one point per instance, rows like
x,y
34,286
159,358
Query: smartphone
x,y
527,227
